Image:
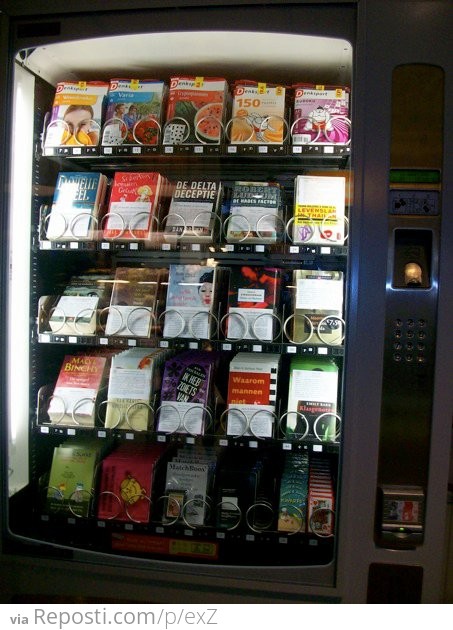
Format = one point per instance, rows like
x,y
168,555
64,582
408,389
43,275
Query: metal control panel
x,y
413,218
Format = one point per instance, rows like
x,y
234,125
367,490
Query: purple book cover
x,y
188,378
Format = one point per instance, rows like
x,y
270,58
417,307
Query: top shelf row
x,y
197,115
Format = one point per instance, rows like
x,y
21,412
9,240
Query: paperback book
x,y
73,401
134,112
318,307
321,498
191,304
255,212
292,516
127,481
252,394
76,207
258,113
312,400
133,205
134,380
75,311
196,110
236,487
187,393
319,210
187,487
76,114
137,298
321,114
72,478
253,299
193,213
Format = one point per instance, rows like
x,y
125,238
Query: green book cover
x,y
312,399
71,478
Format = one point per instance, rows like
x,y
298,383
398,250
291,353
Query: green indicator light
x,y
414,176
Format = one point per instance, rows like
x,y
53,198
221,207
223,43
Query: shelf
x,y
315,154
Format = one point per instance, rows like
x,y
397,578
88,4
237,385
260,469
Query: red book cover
x,y
249,388
134,200
78,383
126,483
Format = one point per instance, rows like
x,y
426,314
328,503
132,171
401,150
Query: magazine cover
x,y
133,205
321,114
133,112
193,211
253,298
255,212
258,113
190,301
76,114
319,210
76,206
196,110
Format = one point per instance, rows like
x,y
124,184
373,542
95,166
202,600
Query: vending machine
x,y
226,294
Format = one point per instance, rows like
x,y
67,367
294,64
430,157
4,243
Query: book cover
x,y
252,394
237,480
253,299
186,487
321,114
258,113
76,206
321,498
75,311
134,302
134,111
191,298
134,379
317,307
76,114
193,210
319,210
72,479
126,482
292,517
133,205
255,212
73,401
312,399
186,393
196,110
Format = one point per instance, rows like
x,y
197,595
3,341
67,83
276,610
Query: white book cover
x,y
252,394
191,480
319,210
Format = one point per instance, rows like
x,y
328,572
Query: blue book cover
x,y
75,207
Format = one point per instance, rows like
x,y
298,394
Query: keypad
x,y
409,340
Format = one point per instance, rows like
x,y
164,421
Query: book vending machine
x,y
226,244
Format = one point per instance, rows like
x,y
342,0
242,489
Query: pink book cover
x,y
134,200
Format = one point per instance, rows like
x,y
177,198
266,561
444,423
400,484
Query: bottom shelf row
x,y
191,487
